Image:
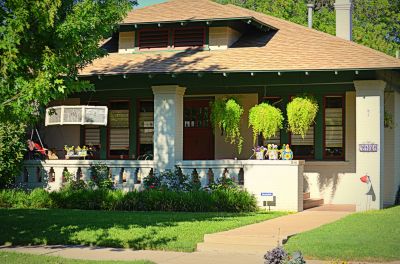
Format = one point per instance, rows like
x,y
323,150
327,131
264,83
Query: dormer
x,y
199,37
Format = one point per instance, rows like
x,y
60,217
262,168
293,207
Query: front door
x,y
198,137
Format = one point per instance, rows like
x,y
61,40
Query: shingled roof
x,y
291,48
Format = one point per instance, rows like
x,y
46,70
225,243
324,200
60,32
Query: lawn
x,y
17,258
368,236
136,230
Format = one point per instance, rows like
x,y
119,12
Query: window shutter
x,y
189,37
150,39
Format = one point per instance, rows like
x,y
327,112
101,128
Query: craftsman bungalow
x,y
168,61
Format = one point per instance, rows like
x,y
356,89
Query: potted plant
x,y
265,119
301,113
70,150
226,115
259,152
272,152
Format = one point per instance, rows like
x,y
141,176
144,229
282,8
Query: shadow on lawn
x,y
94,228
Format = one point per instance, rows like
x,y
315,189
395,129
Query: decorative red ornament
x,y
365,179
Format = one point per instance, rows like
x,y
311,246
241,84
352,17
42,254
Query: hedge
x,y
228,200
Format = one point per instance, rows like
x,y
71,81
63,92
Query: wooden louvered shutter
x,y
154,39
189,37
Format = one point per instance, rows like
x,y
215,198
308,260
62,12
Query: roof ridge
x,y
318,32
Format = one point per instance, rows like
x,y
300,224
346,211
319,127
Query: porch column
x,y
370,142
168,126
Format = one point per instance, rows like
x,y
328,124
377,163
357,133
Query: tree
x,y
376,23
43,45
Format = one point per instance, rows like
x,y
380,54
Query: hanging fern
x,y
226,115
265,119
301,112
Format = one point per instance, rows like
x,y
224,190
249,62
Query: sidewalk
x,y
246,245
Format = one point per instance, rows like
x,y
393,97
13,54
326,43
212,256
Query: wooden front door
x,y
198,137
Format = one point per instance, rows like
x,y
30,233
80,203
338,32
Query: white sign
x,y
76,115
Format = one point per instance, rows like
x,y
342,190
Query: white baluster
x,y
59,175
130,177
85,174
115,175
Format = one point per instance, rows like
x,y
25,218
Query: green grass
x,y
136,230
368,236
17,258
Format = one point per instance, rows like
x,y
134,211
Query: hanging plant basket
x,y
226,115
301,113
265,119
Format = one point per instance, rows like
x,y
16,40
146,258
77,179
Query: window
x,y
154,39
333,127
146,129
189,37
303,148
278,103
118,130
171,38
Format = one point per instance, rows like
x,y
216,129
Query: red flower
x,y
151,186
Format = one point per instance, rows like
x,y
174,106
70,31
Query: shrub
x,y
278,255
275,256
228,200
172,181
101,176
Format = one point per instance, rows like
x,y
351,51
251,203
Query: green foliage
x,y
136,230
12,147
375,22
301,112
219,200
226,115
265,119
43,46
371,236
100,176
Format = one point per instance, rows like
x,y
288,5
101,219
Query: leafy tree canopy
x,y
44,44
376,23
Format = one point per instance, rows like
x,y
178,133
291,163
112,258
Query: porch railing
x,y
50,174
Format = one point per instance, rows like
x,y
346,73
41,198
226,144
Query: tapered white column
x,y
168,126
370,142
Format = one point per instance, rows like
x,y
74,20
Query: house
x,y
169,60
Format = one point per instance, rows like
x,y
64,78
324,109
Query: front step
x,y
234,248
310,203
254,240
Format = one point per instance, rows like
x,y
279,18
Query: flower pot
x,y
259,155
273,154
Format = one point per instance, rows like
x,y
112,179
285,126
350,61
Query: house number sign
x,y
368,147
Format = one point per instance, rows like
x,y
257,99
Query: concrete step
x,y
254,240
310,203
235,248
306,195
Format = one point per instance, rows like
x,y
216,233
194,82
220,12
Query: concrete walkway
x,y
247,244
